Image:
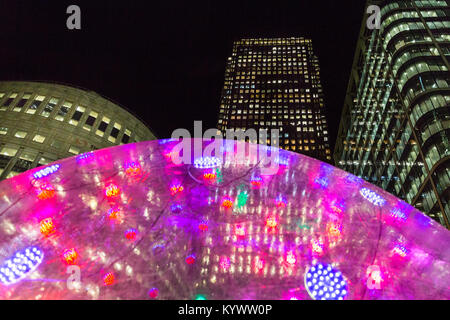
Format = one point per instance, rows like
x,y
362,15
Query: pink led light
x,y
256,182
203,226
109,279
153,293
271,222
112,190
225,263
239,230
280,202
70,256
116,214
133,169
209,175
176,188
47,227
290,258
190,259
227,203
334,230
46,191
259,264
317,247
400,250
131,234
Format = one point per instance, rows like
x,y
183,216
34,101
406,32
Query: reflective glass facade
x,y
395,125
275,84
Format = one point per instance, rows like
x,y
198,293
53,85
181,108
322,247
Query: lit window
x,y
20,134
8,101
28,155
63,111
74,150
22,102
3,130
8,151
44,161
39,138
48,109
35,104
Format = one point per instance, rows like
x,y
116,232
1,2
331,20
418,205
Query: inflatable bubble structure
x,y
130,222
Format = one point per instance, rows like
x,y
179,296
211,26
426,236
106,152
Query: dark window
x,y
125,138
114,132
21,103
90,121
77,115
8,102
102,127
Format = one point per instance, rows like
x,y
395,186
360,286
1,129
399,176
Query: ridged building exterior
x,y
43,122
395,125
274,84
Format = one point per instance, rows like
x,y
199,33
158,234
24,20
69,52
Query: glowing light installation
x,y
47,227
374,198
109,279
207,162
183,242
324,282
46,171
20,265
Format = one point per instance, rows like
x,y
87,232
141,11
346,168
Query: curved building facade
x,y
42,122
395,126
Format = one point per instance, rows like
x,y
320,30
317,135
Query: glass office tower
x,y
275,84
395,125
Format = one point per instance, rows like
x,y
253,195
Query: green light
x,y
219,175
200,297
242,199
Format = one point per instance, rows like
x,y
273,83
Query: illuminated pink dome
x,y
129,222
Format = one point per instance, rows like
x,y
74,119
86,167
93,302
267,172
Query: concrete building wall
x,y
42,122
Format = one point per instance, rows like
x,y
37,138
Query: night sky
x,y
165,60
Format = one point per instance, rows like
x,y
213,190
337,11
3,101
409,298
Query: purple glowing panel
x,y
162,232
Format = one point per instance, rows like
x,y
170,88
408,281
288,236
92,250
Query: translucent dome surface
x,y
129,223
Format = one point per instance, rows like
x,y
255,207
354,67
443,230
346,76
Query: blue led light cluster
x,y
323,282
46,171
207,162
398,214
322,181
371,196
20,265
85,156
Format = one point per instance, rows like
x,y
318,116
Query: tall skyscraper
x,y
395,125
43,122
275,84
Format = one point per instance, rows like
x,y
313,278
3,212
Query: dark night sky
x,y
165,60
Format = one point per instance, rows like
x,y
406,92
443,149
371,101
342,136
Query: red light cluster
x,y
112,191
70,256
47,227
109,279
227,203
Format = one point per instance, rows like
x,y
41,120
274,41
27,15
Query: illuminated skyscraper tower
x,y
275,84
395,123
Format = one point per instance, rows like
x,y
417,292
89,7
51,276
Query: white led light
x,y
20,265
